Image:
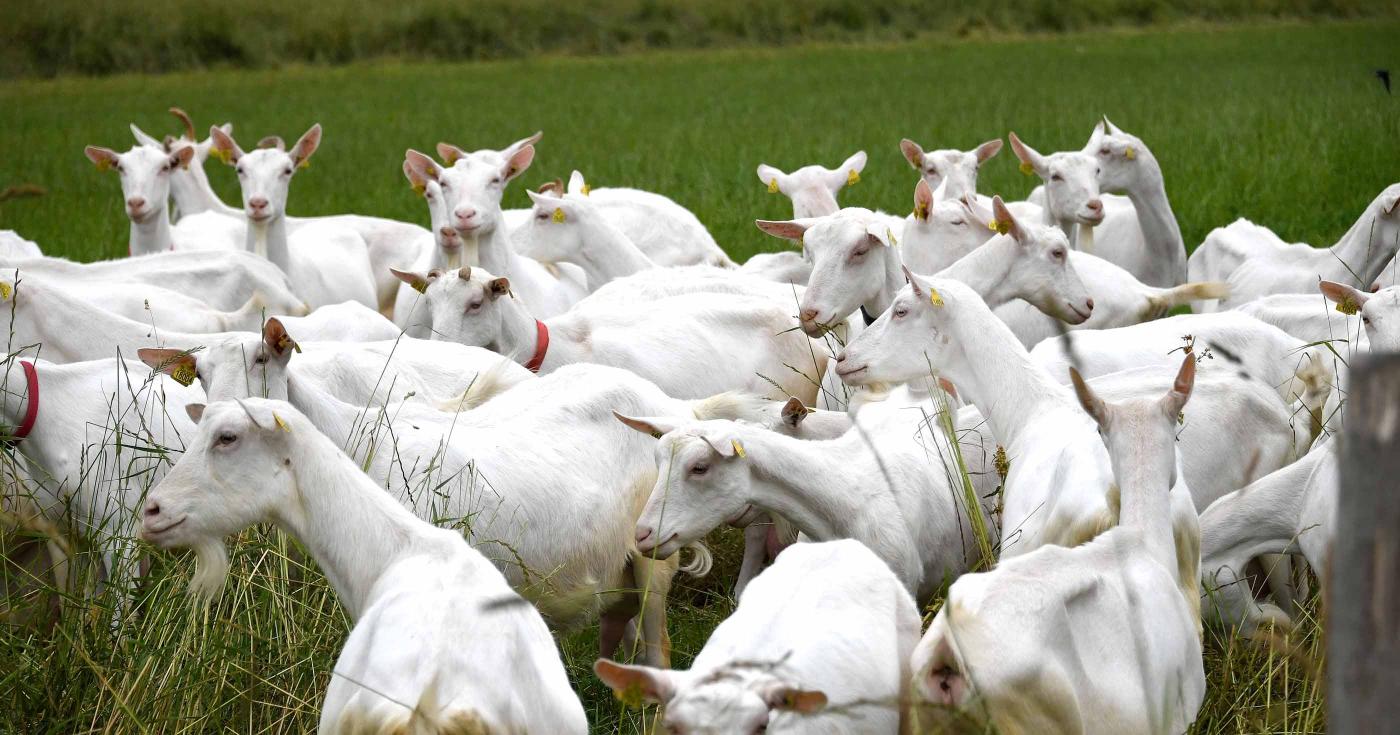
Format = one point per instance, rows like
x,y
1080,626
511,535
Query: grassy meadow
x,y
1284,124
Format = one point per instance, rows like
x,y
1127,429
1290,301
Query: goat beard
x,y
211,569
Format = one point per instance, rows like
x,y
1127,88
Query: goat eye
x,y
473,306
496,180
1058,254
227,438
957,223
1057,177
1104,151
260,360
1097,170
699,469
901,312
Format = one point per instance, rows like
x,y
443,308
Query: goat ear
x,y
789,230
195,411
105,158
449,153
421,164
988,150
793,412
1028,155
654,685
1348,299
1004,216
1109,127
184,118
913,153
723,444
182,157
224,145
518,162
920,288
848,172
653,426
1180,392
1389,201
974,210
576,183
791,699
306,145
417,281
772,177
144,139
555,187
1091,403
415,181
178,364
517,145
273,141
499,286
923,200
276,338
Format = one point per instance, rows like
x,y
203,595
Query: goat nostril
x,y
1095,204
841,357
1090,304
808,315
643,534
136,202
152,509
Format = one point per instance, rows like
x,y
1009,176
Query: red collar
x,y
31,411
541,347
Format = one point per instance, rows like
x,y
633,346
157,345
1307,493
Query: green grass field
x,y
1283,124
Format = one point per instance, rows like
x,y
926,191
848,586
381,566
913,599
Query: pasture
x,y
1286,125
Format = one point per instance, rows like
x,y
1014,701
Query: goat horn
x,y
465,273
185,118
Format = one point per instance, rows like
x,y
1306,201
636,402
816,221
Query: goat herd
x,y
576,392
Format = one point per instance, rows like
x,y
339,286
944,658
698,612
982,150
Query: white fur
x,y
820,642
439,638
950,173
1094,639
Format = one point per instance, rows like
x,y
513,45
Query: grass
x,y
1284,124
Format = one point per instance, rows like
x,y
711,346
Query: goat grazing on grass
x,y
440,642
1093,639
820,642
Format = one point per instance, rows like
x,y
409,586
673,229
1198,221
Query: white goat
x,y
1149,246
1060,488
327,263
223,279
198,212
857,267
939,233
440,642
672,342
572,229
1070,195
1258,262
1380,312
472,188
1093,639
153,306
145,180
1311,318
813,188
1291,510
819,643
92,446
442,250
881,483
951,173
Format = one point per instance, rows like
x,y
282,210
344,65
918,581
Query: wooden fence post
x,y
1363,612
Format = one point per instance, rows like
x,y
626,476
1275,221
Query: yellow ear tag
x,y
921,212
630,695
558,215
1027,168
420,285
222,155
773,186
104,164
419,188
183,374
305,163
5,291
1347,306
890,234
999,226
450,157
934,298
282,344
738,448
586,189
1130,153
853,177
281,424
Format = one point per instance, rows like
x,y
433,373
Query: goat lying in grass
x,y
440,642
820,642
1093,639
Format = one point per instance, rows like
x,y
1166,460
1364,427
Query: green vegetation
x,y
157,36
1283,124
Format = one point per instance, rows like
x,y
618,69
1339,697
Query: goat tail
x,y
701,563
488,384
1169,298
